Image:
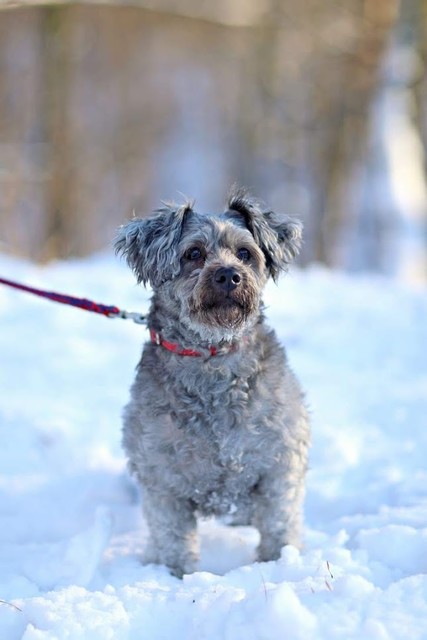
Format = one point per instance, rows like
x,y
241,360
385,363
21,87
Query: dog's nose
x,y
227,278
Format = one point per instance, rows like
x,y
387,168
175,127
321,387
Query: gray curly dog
x,y
216,423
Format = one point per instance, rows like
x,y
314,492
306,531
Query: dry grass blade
x,y
10,604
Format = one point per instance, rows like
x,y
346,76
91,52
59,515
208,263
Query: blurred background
x,y
319,106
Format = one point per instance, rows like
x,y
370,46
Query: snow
x,y
71,530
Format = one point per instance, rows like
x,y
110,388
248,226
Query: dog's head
x,y
212,268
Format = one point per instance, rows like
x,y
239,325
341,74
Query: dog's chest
x,y
216,442
215,472
207,428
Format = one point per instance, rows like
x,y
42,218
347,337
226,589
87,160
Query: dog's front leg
x,y
173,532
278,516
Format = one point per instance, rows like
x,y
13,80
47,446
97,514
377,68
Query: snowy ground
x,y
70,525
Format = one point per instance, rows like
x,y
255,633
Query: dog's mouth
x,y
224,309
226,301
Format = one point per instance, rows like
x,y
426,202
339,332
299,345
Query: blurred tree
x,y
416,25
57,239
314,71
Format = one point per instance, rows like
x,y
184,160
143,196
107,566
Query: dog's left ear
x,y
277,235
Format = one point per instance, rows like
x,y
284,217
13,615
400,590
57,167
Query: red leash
x,y
109,311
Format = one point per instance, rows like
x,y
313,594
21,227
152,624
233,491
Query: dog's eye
x,y
243,254
194,253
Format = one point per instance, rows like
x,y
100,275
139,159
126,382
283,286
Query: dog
x,y
216,424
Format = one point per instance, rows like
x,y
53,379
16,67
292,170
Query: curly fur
x,y
214,435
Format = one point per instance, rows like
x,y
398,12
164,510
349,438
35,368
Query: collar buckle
x,y
155,337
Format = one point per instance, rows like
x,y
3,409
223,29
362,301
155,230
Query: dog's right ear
x,y
277,235
150,244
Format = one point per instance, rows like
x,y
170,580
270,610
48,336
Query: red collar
x,y
157,338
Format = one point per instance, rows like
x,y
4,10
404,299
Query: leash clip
x,y
138,318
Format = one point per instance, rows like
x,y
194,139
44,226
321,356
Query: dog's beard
x,y
226,311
